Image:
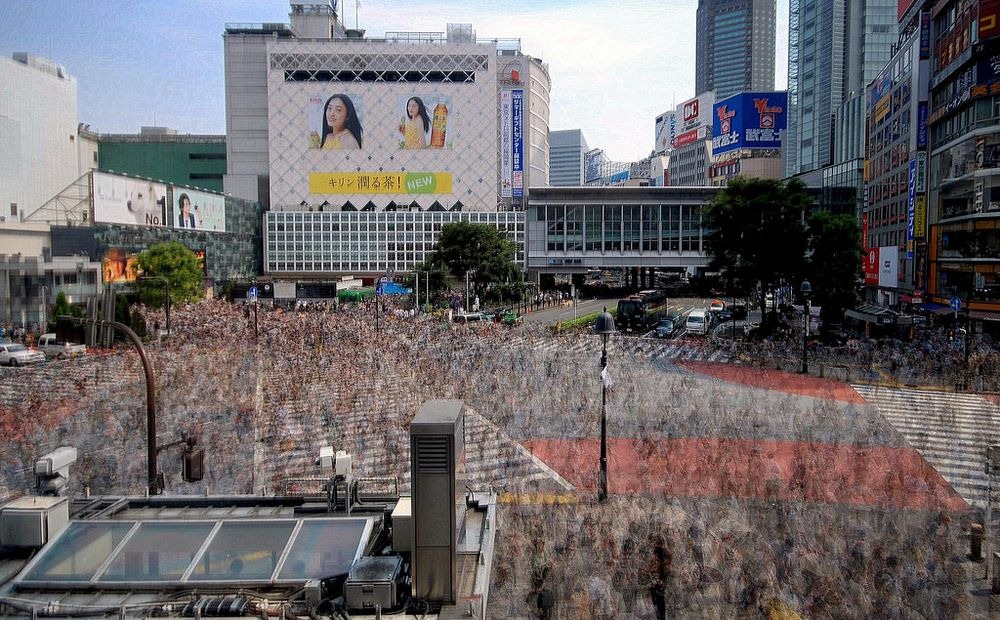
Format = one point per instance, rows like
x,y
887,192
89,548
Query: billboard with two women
x,y
338,122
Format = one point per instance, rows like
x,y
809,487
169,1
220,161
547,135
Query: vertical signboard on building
x,y
506,152
517,142
922,125
989,19
910,205
870,266
925,35
665,132
864,233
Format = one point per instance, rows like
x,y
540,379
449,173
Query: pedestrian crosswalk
x,y
950,430
693,349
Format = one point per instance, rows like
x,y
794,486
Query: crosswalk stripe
x,y
951,431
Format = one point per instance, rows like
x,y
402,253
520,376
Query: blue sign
x,y
925,35
517,124
956,304
252,293
922,125
749,121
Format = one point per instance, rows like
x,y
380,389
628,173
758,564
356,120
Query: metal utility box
x,y
437,442
374,582
33,521
402,526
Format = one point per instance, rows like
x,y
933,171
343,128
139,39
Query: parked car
x,y
53,347
16,354
665,328
468,317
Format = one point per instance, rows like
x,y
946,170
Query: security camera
x,y
52,470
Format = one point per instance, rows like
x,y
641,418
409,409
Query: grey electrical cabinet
x,y
437,441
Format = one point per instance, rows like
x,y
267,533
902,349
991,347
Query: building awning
x,y
979,315
870,313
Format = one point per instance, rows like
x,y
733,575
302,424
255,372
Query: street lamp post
x,y
604,326
806,290
166,287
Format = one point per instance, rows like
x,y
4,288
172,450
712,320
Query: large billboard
x,y
749,121
423,121
393,125
196,210
888,266
592,165
124,200
665,132
695,112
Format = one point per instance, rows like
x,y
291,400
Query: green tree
x,y
757,236
834,263
479,248
62,307
178,265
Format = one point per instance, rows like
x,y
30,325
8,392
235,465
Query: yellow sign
x,y
919,217
882,108
379,182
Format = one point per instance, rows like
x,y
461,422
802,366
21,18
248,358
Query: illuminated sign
x,y
506,151
380,182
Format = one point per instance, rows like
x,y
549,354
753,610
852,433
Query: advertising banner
x,y
592,166
336,122
517,142
920,217
506,152
864,233
380,182
880,89
119,265
901,8
910,205
695,112
921,173
687,137
749,121
124,200
666,132
888,260
870,266
925,35
423,121
199,210
922,125
989,19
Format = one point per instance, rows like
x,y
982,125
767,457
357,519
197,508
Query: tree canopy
x,y
834,262
175,263
479,248
757,235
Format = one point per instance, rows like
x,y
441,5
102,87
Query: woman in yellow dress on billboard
x,y
415,125
341,125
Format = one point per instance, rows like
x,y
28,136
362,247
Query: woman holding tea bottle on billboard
x,y
341,126
415,124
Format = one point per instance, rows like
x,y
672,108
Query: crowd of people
x,y
261,394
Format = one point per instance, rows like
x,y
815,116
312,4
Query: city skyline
x,y
127,81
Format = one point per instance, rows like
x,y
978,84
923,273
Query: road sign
x,y
252,293
956,304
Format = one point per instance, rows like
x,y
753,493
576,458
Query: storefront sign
x,y
380,182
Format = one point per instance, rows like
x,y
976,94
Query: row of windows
x,y
369,227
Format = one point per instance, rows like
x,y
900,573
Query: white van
x,y
697,322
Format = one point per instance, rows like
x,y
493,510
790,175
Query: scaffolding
x,y
69,207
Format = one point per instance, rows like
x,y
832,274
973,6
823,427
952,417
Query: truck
x,y
53,347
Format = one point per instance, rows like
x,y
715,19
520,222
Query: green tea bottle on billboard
x,y
439,125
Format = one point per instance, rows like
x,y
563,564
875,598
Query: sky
x,y
615,64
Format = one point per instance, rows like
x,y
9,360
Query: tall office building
x,y
835,48
735,40
566,151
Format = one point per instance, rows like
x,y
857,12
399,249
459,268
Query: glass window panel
x,y
324,548
244,550
158,552
79,552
